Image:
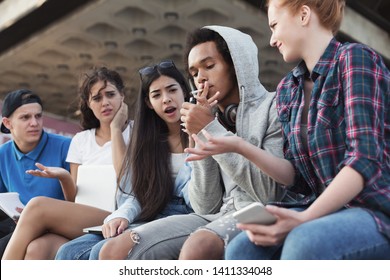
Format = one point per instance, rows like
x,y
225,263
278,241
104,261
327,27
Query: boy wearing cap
x,y
22,117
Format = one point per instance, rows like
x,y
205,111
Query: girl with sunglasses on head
x,y
106,132
154,175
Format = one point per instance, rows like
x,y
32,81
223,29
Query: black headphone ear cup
x,y
230,114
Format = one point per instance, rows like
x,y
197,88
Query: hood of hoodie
x,y
244,54
256,122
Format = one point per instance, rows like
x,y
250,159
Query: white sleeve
x,y
74,152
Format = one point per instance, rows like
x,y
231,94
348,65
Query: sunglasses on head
x,y
148,70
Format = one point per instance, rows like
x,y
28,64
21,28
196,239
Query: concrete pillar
x,y
366,32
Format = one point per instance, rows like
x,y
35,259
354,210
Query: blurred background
x,y
46,44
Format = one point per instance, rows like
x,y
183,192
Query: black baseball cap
x,y
14,100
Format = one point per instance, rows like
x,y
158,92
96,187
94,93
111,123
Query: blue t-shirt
x,y
51,151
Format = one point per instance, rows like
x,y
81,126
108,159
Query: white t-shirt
x,y
84,149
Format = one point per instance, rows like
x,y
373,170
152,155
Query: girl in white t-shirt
x,y
105,135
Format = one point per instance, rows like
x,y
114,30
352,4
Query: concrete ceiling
x,y
124,35
50,45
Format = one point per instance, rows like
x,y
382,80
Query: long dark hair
x,y
88,80
147,162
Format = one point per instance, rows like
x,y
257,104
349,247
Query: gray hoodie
x,y
256,122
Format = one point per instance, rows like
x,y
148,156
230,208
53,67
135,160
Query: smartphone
x,y
254,213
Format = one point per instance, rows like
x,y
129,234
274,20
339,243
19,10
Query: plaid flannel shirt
x,y
348,125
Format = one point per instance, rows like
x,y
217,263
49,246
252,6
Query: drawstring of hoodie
x,y
242,102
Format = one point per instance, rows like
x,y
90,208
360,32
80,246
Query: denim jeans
x,y
161,239
81,248
347,234
85,247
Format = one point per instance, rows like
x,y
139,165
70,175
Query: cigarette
x,y
195,92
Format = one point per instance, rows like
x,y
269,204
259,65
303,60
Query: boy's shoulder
x,y
5,147
58,140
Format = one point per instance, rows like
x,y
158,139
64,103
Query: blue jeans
x,y
347,234
86,247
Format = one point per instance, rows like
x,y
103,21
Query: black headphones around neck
x,y
228,117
